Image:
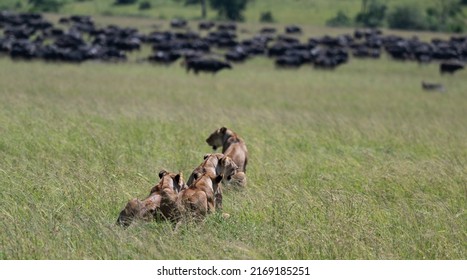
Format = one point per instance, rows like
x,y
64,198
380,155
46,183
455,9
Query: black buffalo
x,y
164,57
293,29
206,65
450,67
292,61
178,23
205,25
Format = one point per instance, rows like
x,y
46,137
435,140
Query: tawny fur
x,y
198,200
161,202
234,147
215,164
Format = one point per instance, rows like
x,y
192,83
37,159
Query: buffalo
x,y
206,65
450,67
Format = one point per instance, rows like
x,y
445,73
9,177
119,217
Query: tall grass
x,y
356,163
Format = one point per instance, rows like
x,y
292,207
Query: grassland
x,y
356,163
315,12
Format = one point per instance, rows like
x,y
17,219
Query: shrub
x,y
373,15
446,16
266,17
229,9
10,5
145,5
341,19
455,24
46,5
407,17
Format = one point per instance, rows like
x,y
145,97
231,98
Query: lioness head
x,y
216,138
169,180
133,209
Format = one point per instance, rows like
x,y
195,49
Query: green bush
x,y
372,14
10,5
145,5
455,24
46,5
229,9
446,16
266,17
407,17
341,19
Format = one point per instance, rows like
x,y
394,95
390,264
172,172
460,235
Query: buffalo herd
x,y
215,46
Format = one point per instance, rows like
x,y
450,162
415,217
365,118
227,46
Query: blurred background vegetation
x,y
432,15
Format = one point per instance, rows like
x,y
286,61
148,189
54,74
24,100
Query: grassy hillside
x,y
295,11
356,163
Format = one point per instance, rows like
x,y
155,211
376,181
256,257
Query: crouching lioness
x,y
160,204
234,147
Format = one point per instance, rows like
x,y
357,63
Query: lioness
x,y
198,199
234,147
161,202
215,165
169,181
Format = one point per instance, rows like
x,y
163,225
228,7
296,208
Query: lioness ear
x,y
206,156
223,129
179,178
162,173
218,179
198,173
222,159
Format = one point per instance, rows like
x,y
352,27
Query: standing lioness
x,y
232,146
